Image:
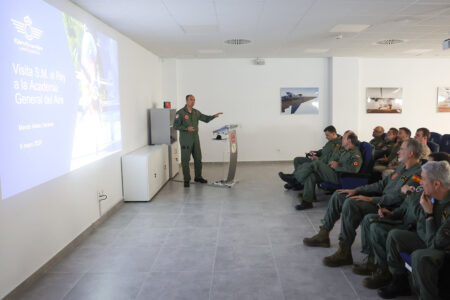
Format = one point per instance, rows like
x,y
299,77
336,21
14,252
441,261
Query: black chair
x,y
434,147
445,143
435,137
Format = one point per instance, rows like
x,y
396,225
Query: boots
x,y
367,267
288,178
342,257
381,277
322,239
399,286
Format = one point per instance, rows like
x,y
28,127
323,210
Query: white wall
x,y
38,223
419,79
249,95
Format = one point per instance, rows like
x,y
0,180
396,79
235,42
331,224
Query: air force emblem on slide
x,y
30,32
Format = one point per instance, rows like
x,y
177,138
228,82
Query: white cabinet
x,y
144,172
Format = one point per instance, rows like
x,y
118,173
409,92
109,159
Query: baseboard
x,y
14,294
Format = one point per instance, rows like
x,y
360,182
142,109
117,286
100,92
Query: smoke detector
x,y
237,42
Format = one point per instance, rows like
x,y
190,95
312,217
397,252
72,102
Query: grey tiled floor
x,y
207,243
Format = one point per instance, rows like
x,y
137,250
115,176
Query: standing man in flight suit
x,y
186,122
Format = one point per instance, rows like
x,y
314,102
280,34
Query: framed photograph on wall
x,y
384,100
443,99
299,101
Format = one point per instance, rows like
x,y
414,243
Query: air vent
x,y
389,42
237,42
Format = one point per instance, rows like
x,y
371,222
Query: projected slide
x,y
59,105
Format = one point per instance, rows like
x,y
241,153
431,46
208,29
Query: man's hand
x,y
191,129
362,198
426,203
406,188
383,159
384,212
314,157
348,192
333,164
218,114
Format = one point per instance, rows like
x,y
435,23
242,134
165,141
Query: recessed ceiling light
x,y
237,42
349,28
316,50
389,42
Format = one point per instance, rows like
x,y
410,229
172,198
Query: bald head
x,y
378,131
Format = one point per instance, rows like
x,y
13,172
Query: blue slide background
x,y
21,169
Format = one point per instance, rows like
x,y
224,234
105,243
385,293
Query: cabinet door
x,y
153,174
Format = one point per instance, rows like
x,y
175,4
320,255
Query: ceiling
x,y
279,28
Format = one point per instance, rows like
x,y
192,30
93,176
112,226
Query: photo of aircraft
x,y
294,101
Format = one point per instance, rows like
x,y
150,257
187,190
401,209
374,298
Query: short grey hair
x,y
415,147
438,171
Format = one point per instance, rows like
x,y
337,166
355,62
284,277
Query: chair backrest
x,y
445,143
434,147
435,137
367,156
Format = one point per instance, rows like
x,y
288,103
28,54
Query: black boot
x,y
304,205
288,186
186,184
288,178
399,286
201,180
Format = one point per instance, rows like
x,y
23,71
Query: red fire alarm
x,y
167,104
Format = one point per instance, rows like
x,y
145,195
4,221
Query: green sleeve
x,y
351,164
376,187
442,238
205,118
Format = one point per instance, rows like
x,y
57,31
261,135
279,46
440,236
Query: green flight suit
x,y
374,234
378,143
353,211
427,252
349,161
324,153
391,159
189,141
385,150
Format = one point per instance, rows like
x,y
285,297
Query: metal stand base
x,y
223,183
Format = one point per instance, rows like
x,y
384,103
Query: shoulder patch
x,y
419,189
355,163
186,117
394,175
